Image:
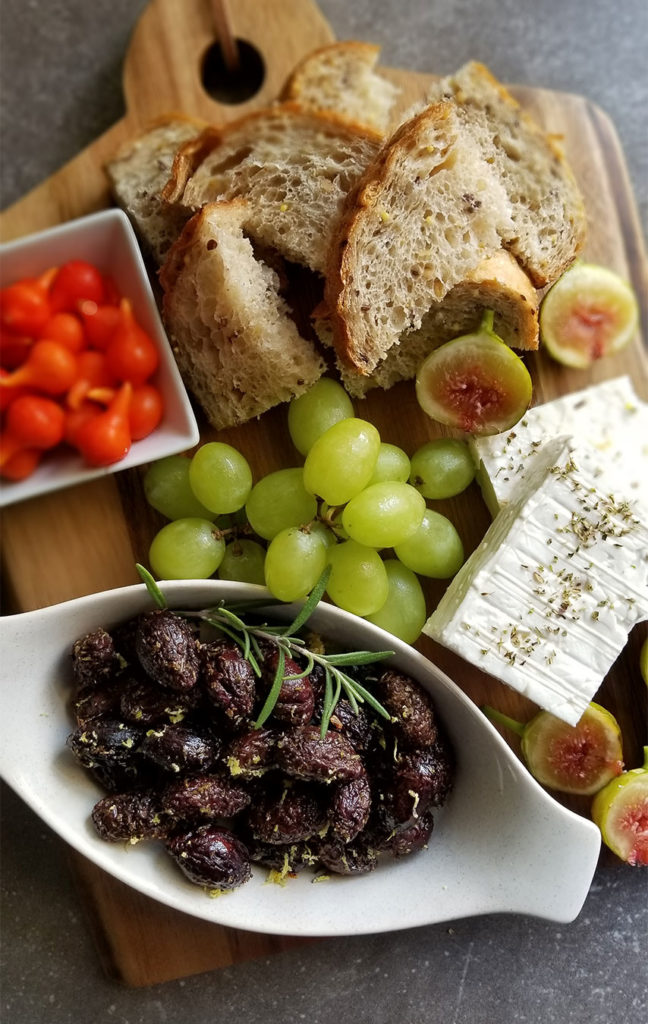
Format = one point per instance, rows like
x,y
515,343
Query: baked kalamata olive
x,y
411,837
286,858
203,798
94,702
179,749
422,779
356,858
355,726
135,815
167,649
287,815
350,807
410,708
94,659
211,856
106,741
144,703
252,753
296,700
228,680
304,754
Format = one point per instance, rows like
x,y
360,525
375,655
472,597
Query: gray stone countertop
x,y
60,67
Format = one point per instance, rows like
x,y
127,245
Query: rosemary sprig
x,y
288,645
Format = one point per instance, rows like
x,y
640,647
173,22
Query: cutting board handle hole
x,y
236,86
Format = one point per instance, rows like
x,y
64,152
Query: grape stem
x,y
509,723
487,322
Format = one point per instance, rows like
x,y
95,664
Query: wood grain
x,y
88,538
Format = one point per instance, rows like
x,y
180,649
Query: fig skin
x,y
620,810
578,759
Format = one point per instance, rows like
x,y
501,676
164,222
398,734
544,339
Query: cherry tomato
x,y
75,281
50,367
22,464
14,348
106,438
100,323
92,372
146,410
9,395
24,306
112,296
32,421
76,419
131,355
67,329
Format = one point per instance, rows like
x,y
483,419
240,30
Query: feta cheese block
x,y
609,417
547,600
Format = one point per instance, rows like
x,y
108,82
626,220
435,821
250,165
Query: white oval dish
x,y
501,844
107,240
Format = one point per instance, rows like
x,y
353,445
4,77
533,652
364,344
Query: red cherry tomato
x,y
100,323
76,419
146,410
91,373
14,348
50,367
75,281
131,355
112,295
24,306
67,329
32,421
22,464
106,438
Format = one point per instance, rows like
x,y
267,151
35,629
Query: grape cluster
x,y
357,505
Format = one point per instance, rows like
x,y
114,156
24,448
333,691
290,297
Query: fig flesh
x,y
620,810
578,759
474,383
588,313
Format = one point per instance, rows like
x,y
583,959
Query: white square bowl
x,y
107,240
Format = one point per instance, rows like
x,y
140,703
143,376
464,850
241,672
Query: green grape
x,y
314,412
392,464
186,549
384,514
294,562
278,501
435,549
358,580
323,533
403,613
243,561
167,489
442,468
341,462
220,477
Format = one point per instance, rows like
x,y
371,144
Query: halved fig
x,y
620,810
588,313
578,758
475,383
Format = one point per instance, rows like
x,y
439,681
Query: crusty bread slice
x,y
426,212
236,345
548,212
341,77
498,283
139,172
295,167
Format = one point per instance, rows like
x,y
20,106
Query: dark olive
x,y
211,856
167,649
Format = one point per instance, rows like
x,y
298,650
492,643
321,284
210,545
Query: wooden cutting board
x,y
88,538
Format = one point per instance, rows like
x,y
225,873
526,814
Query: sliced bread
x,y
295,168
139,172
548,212
498,283
236,345
342,78
426,212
